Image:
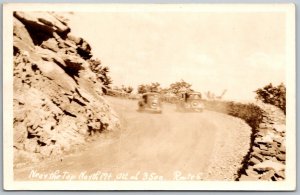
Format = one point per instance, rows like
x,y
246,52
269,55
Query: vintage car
x,y
150,102
190,102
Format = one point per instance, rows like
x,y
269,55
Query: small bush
x,y
122,91
145,88
102,73
275,95
251,113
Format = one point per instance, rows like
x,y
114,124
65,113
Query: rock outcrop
x,y
267,156
58,100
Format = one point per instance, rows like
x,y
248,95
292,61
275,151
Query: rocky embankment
x,y
266,160
58,99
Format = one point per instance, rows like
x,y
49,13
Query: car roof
x,y
151,93
193,93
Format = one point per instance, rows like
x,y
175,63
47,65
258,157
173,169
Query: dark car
x,y
150,102
190,102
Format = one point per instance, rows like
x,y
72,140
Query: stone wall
x,y
266,160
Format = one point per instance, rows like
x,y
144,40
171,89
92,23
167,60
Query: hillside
x,y
58,100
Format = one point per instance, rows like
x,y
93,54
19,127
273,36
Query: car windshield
x,y
153,96
195,96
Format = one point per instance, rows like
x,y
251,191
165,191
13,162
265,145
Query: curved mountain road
x,y
168,146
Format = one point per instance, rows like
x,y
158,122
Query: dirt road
x,y
168,146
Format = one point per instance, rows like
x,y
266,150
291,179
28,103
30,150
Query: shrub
x,y
250,113
102,73
145,88
275,95
127,89
122,91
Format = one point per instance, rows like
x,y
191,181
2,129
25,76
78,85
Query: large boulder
x,y
83,48
42,21
268,164
21,36
57,74
50,44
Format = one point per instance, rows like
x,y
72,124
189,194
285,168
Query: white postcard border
x,y
9,184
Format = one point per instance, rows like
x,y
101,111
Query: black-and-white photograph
x,y
152,93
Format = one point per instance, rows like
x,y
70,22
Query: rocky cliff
x,y
58,99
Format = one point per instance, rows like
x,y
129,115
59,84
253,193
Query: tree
x,y
155,87
275,95
142,89
128,89
145,88
177,87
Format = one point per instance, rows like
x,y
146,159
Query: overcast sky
x,y
239,52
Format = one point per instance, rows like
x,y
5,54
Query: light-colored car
x,y
150,102
190,102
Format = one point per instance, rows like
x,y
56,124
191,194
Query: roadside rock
x,y
248,178
268,164
30,145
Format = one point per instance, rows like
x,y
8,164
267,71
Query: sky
x,y
239,52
